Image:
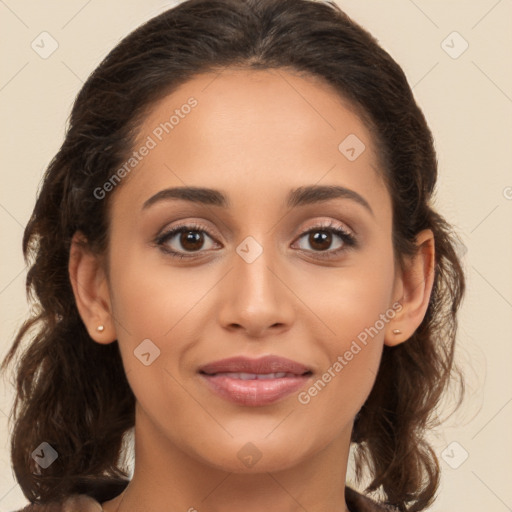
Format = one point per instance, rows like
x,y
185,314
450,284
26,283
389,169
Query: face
x,y
268,264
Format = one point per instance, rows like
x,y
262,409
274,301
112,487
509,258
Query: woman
x,y
234,254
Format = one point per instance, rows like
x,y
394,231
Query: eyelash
x,y
349,241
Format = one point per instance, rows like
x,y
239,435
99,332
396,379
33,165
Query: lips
x,y
261,366
253,376
255,382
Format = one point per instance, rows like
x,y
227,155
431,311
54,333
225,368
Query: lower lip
x,y
254,392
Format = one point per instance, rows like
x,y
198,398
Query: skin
x,y
254,135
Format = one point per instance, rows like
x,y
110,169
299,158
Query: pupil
x,y
189,240
320,236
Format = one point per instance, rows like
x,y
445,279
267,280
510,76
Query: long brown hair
x,y
62,377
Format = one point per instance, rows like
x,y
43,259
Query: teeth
x,y
245,376
257,376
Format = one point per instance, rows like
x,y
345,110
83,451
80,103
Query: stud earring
x,y
397,331
100,328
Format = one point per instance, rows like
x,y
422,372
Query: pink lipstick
x,y
255,382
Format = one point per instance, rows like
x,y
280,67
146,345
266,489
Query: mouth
x,y
255,382
255,376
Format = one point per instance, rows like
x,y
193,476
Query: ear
x,y
90,288
413,287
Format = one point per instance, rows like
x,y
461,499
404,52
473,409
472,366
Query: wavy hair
x,y
62,376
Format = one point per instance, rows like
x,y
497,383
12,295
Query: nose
x,y
255,296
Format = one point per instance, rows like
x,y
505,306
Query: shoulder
x,y
73,503
357,502
88,496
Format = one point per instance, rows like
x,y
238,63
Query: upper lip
x,y
262,365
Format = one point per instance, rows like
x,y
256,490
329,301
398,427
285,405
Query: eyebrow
x,y
298,197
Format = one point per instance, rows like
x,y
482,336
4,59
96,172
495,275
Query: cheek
x,y
354,306
150,298
157,312
349,299
352,356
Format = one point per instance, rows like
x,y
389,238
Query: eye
x,y
187,240
320,239
191,239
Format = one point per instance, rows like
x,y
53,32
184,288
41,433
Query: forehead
x,y
266,128
234,101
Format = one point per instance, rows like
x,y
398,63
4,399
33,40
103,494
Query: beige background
x,y
468,103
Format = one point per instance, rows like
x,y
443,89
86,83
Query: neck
x,y
166,477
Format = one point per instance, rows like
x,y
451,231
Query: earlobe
x,y
415,282
92,296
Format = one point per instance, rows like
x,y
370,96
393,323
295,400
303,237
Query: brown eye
x,y
320,240
183,240
191,240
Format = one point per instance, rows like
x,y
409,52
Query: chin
x,y
254,456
